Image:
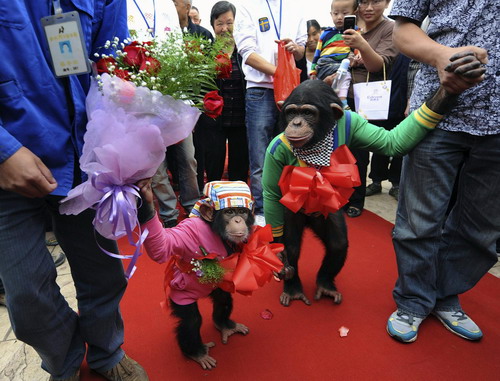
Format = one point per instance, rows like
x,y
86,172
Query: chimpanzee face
x,y
233,224
309,113
300,120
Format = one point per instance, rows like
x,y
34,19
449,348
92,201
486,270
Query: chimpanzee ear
x,y
337,111
207,212
280,104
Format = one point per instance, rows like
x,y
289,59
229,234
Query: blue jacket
x,y
39,111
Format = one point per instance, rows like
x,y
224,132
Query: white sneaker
x,y
260,220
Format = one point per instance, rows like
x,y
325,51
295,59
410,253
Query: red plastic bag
x,y
287,76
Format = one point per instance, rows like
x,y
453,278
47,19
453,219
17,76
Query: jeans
x,y
189,192
440,257
261,118
39,314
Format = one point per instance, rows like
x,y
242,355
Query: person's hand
x,y
353,39
312,76
461,68
293,47
407,109
329,79
25,173
356,60
467,69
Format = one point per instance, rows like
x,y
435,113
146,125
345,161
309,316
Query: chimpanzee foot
x,y
286,298
206,361
226,332
337,296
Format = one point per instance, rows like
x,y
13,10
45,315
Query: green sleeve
x,y
396,142
277,157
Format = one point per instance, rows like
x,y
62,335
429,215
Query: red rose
x,y
152,68
213,104
104,63
135,54
224,66
123,74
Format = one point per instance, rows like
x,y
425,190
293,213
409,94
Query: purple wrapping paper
x,y
127,134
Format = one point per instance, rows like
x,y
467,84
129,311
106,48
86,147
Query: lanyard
x,y
278,32
57,7
152,30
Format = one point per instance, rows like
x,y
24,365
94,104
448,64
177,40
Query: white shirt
x,y
166,20
255,31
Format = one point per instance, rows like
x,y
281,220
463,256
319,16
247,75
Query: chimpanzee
x,y
224,224
314,126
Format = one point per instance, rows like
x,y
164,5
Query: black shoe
x,y
373,188
394,192
353,212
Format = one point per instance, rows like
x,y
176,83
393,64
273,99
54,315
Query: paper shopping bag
x,y
372,99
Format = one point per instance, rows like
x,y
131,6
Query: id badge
x,y
66,45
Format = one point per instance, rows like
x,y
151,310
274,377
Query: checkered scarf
x,y
319,154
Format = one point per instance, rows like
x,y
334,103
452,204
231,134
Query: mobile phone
x,y
349,22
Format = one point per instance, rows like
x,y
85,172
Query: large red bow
x,y
324,191
254,266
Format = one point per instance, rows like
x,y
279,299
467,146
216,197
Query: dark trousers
x,y
210,151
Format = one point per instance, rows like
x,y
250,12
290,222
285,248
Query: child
x,y
331,49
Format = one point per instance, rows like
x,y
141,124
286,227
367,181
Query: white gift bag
x,y
372,99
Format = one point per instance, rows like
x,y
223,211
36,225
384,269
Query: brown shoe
x,y
126,370
75,377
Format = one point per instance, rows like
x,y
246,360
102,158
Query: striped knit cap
x,y
224,194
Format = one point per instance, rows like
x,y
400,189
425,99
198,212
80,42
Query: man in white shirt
x,y
258,25
147,18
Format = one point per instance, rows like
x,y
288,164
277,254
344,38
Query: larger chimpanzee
x,y
314,126
224,224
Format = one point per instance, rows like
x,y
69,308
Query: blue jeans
x,y
39,314
441,256
261,117
189,192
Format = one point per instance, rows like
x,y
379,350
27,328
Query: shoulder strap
x,y
347,128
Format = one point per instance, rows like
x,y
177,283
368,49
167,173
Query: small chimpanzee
x,y
224,224
314,126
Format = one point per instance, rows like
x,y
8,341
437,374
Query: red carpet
x,y
303,343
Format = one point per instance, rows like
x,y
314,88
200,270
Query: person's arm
x,y
413,42
371,59
401,139
259,63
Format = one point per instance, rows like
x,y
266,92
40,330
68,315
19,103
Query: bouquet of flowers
x,y
148,96
207,268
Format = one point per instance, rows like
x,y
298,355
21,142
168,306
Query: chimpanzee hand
x,y
467,67
461,68
146,209
287,272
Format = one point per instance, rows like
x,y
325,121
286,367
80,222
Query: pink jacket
x,y
184,240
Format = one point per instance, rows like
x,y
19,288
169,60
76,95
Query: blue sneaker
x,y
403,327
459,323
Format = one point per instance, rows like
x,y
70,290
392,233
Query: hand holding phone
x,y
349,22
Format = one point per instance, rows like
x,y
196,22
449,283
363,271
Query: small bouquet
x,y
207,268
147,97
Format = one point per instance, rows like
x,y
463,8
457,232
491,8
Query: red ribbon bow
x,y
325,190
254,266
